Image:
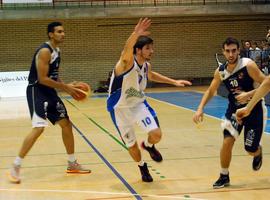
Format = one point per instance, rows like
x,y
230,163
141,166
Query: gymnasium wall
x,y
184,45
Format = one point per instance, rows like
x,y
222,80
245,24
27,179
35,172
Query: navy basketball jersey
x,y
237,81
53,67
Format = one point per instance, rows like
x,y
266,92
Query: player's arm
x,y
126,59
210,92
156,77
260,92
43,61
256,74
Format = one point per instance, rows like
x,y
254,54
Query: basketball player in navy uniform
x,y
44,103
126,102
240,76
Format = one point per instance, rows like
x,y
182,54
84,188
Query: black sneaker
x,y
146,176
223,181
154,153
257,161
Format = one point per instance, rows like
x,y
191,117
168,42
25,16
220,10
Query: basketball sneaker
x,y
154,153
146,176
257,161
14,174
223,181
76,168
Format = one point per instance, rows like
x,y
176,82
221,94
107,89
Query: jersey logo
x,y
132,92
241,75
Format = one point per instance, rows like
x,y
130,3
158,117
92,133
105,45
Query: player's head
x,y
144,47
231,50
55,31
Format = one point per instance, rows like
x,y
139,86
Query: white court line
x,y
97,192
182,107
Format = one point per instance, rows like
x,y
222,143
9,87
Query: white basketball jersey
x,y
127,89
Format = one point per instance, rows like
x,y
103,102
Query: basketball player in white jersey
x,y
127,103
44,103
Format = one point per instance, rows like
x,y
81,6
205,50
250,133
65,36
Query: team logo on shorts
x,y
46,107
250,137
61,109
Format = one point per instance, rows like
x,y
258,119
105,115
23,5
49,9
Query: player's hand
x,y
241,113
243,97
142,26
72,90
198,116
182,83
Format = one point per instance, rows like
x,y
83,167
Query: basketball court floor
x,y
191,154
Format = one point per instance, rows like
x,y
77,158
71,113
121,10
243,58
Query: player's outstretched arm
x,y
126,60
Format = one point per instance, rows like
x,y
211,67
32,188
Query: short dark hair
x,y
51,27
141,42
230,40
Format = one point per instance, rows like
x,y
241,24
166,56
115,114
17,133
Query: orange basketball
x,y
83,89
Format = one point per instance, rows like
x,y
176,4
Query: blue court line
x,y
133,192
216,107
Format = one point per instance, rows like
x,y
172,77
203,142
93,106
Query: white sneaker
x,y
14,174
75,167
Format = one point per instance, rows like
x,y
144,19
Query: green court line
x,y
99,126
105,131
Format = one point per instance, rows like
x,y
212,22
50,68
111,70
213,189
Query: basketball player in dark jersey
x,y
44,103
240,76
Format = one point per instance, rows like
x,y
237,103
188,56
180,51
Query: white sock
x,y
141,163
18,161
224,171
71,158
147,144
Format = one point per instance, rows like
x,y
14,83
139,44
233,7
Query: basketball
x,y
83,89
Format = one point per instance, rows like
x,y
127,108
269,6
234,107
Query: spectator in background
x,y
255,53
268,36
266,58
245,50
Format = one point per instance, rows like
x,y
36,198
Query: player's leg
x,y
148,121
123,120
225,160
58,114
37,107
231,131
254,126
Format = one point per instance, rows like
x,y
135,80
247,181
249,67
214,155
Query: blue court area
x,y
216,107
